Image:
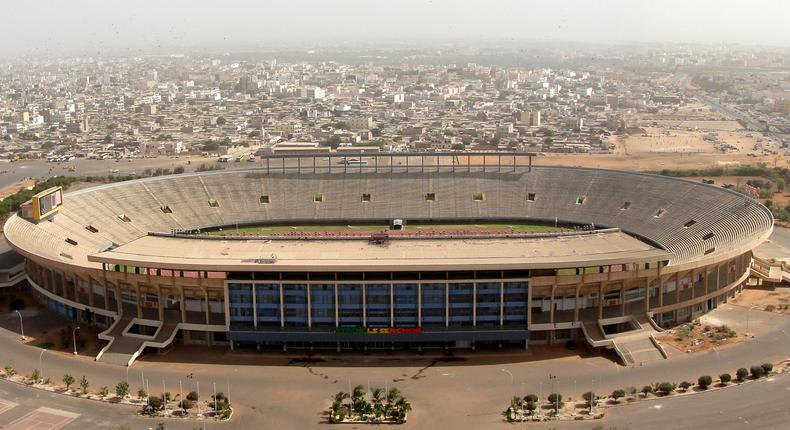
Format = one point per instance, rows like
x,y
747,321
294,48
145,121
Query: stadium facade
x,y
638,248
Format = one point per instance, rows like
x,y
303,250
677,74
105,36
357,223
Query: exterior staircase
x,y
634,347
123,349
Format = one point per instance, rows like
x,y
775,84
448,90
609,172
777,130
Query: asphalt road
x,y
270,393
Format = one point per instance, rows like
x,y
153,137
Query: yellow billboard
x,y
47,203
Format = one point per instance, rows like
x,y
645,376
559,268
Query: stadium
x,y
392,251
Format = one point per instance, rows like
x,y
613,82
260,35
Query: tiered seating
x,y
732,218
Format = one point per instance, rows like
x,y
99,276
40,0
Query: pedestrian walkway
x,y
42,419
634,347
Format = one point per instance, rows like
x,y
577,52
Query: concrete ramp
x,y
122,348
634,347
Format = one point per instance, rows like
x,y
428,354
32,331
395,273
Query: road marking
x,y
42,419
5,405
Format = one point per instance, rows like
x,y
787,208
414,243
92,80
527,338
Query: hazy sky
x,y
58,27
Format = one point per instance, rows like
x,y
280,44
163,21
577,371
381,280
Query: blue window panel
x,y
295,298
405,305
267,302
322,300
350,305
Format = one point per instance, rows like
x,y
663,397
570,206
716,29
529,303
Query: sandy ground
x,y
697,337
766,298
16,187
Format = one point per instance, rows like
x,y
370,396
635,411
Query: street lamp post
x,y
41,363
74,336
21,326
552,379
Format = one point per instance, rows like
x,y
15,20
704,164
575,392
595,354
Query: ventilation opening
x,y
530,197
124,218
431,197
213,203
318,197
265,200
580,200
625,206
479,197
365,198
708,236
91,229
710,251
166,209
659,213
71,241
689,223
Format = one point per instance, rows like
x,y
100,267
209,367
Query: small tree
x,y
556,401
122,389
646,390
9,371
67,381
757,372
84,384
186,405
141,393
531,398
631,391
741,374
193,395
685,385
767,367
703,382
104,391
35,376
666,388
725,378
618,394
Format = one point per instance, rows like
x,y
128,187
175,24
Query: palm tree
x,y
403,408
393,395
377,398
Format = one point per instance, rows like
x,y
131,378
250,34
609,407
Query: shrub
x,y
725,378
631,390
757,372
186,404
704,381
531,398
741,374
616,394
35,376
193,395
555,399
67,381
122,389
155,403
685,385
590,397
141,393
768,367
647,389
104,391
666,388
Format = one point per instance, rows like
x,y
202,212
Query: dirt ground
x,y
696,337
768,299
15,187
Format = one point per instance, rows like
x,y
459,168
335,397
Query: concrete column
x,y
208,316
162,303
183,304
474,304
392,302
622,300
576,310
309,305
647,295
446,304
140,301
337,309
677,285
90,292
365,303
600,298
282,308
254,307
502,304
419,304
551,308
